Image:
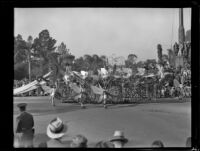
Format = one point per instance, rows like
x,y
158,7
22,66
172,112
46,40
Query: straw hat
x,y
56,128
119,136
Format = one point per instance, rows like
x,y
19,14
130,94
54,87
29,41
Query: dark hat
x,y
21,105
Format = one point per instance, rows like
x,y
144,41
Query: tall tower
x,y
181,30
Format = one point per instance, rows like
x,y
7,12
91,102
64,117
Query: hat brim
x,y
124,140
56,135
21,105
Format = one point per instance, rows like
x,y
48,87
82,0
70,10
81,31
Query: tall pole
x,y
181,30
29,67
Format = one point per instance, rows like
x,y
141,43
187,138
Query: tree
x,y
171,57
188,36
22,52
43,45
79,64
20,71
131,60
159,52
19,50
29,44
62,49
88,61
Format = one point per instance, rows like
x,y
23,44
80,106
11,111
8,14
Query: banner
x,y
29,87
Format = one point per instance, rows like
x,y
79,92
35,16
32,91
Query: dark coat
x,y
55,143
24,129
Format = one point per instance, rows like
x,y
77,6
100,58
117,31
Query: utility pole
x,y
181,30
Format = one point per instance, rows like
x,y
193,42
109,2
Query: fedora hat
x,y
119,136
21,105
56,128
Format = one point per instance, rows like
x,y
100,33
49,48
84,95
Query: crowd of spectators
x,y
56,130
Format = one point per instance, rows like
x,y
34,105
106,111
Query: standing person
x,y
24,127
55,131
80,96
52,95
119,139
104,99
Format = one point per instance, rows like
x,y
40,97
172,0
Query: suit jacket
x,y
57,144
24,123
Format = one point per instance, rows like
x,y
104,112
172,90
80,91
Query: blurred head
x,y
22,106
188,142
79,141
157,144
103,144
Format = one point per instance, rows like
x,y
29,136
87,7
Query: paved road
x,y
142,123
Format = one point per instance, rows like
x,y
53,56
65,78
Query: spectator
x,y
118,139
103,144
24,127
79,141
55,131
188,142
157,144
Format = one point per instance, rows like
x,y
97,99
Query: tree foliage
x,y
43,45
62,49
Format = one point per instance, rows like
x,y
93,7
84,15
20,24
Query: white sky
x,y
104,31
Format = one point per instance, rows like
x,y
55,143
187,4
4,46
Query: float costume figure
x,y
57,66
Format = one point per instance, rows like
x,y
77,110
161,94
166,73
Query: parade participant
x,y
104,99
118,139
55,131
80,96
52,95
24,127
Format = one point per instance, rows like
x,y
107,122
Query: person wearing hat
x,y
118,139
79,141
55,131
24,127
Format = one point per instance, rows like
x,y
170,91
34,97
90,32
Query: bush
x,y
20,71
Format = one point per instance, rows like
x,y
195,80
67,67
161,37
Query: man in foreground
x,y
24,127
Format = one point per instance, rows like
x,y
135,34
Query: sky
x,y
105,31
